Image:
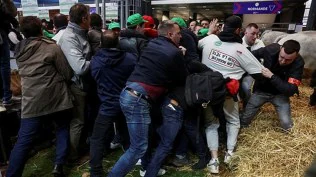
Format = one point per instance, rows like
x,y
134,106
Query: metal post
x,y
97,7
103,13
122,18
311,22
126,9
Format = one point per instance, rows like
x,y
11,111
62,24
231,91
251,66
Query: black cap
x,y
232,23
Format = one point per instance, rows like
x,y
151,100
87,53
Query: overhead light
x,y
182,7
204,6
153,8
207,9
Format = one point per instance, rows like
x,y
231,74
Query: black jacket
x,y
132,41
189,41
278,84
161,64
94,37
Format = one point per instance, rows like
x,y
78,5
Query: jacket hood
x,y
27,47
109,57
131,33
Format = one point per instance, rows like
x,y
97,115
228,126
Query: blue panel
x,y
263,7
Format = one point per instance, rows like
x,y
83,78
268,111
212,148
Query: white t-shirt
x,y
232,59
257,45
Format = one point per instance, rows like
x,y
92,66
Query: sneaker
x,y
139,162
213,166
2,109
228,157
115,142
12,101
180,162
160,172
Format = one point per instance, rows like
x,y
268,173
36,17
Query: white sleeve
x,y
249,62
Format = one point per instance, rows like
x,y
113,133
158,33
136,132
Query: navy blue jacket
x,y
161,64
111,68
278,84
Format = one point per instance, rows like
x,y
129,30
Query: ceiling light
x,y
182,7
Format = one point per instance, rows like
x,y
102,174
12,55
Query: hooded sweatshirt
x,y
111,68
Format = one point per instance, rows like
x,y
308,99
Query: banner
x,y
65,6
29,8
43,14
265,7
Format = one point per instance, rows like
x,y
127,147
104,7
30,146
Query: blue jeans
x,y
280,102
28,130
171,124
5,69
137,114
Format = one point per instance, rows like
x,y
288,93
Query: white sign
x,y
111,11
65,6
29,8
43,14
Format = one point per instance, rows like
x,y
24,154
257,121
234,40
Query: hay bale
x,y
265,150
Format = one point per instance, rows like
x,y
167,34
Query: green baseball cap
x,y
134,20
180,22
202,32
114,25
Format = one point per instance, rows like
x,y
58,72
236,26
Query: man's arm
x,y
180,73
61,64
287,87
259,53
74,55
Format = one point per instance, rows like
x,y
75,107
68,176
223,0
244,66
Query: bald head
x,y
109,39
60,20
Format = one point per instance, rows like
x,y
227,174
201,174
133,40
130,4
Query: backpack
x,y
205,88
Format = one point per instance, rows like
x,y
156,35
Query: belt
x,y
136,93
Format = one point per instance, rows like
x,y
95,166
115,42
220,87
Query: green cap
x,y
202,32
114,25
134,20
180,22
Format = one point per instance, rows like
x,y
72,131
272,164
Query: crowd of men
x,y
134,78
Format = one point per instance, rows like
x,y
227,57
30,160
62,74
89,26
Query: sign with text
x,y
65,6
263,7
29,8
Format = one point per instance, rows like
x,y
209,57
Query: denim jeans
x,y
5,69
280,102
137,114
189,135
28,130
231,112
101,130
171,124
246,86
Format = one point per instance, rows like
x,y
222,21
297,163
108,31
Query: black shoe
x,y
177,162
58,171
202,163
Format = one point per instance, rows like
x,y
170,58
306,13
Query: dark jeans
x,y
171,124
190,131
280,102
27,133
5,69
102,127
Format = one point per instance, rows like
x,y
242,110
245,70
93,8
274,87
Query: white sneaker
x,y
160,172
2,109
228,157
213,166
139,162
